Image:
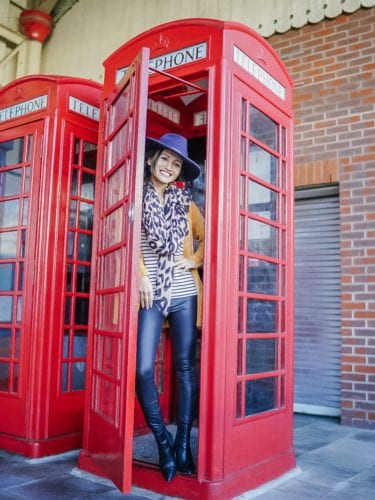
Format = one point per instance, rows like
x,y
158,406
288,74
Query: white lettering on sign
x,y
24,108
179,57
200,118
164,110
83,108
258,72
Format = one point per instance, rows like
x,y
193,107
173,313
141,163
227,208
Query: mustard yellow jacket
x,y
195,233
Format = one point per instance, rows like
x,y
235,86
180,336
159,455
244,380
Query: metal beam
x,y
46,5
10,37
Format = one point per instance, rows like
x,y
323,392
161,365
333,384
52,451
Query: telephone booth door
x,y
48,146
20,163
223,87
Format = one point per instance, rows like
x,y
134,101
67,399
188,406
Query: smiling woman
x,y
168,287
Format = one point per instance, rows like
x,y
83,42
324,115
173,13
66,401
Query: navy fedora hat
x,y
178,144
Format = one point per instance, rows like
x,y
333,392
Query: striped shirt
x,y
183,282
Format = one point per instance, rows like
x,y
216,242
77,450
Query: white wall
x,y
88,33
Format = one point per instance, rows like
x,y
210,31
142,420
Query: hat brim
x,y
190,169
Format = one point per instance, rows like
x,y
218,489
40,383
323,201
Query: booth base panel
x,y
40,448
189,488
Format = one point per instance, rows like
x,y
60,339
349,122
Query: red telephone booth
x,y
48,149
221,85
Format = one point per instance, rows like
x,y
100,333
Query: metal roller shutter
x,y
317,302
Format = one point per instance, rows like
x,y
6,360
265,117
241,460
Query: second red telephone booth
x,y
221,85
48,149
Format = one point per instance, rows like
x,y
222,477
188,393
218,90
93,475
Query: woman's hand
x,y
145,292
185,264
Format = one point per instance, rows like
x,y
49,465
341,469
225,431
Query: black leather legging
x,y
181,318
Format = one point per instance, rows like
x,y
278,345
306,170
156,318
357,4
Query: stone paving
x,y
333,462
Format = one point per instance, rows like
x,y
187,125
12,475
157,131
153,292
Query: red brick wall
x,y
333,67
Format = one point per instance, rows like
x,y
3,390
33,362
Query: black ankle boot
x,y
184,457
167,461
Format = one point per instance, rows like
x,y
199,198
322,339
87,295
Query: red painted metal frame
x,y
111,454
234,454
41,420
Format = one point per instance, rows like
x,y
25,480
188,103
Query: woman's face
x,y
167,168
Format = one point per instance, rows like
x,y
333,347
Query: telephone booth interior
x,y
48,150
222,86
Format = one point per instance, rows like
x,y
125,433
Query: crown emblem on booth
x,y
162,42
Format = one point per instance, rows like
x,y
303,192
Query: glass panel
x,y
243,153
239,400
86,215
69,275
78,375
5,342
74,189
25,212
9,211
239,357
30,148
242,232
261,277
72,213
19,308
241,273
283,141
81,311
66,344
70,244
27,180
260,395
262,164
23,243
261,355
110,311
116,146
84,247
282,391
111,263
15,378
262,201
116,186
108,359
7,274
262,238
282,354
6,309
4,376
261,316
76,151
10,182
17,343
243,192
263,128
11,152
83,279
119,110
20,276
113,228
64,377
88,185
8,245
243,115
80,344
89,155
68,302
240,314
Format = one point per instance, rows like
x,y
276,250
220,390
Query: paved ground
x,y
333,462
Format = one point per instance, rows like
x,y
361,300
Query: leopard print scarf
x,y
165,227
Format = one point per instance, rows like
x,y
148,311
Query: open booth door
x,y
108,439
